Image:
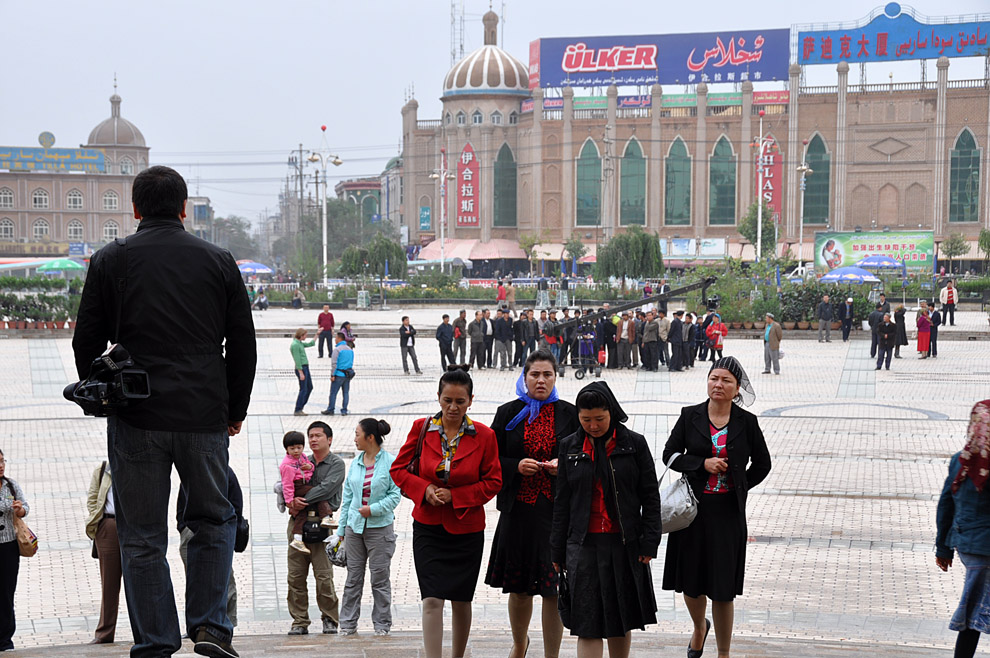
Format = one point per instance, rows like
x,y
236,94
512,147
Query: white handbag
x,y
678,504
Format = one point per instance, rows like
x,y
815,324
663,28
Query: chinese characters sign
x,y
769,186
46,159
667,58
916,249
468,198
893,36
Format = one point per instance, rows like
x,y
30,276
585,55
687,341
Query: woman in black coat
x,y
901,330
528,431
606,526
722,450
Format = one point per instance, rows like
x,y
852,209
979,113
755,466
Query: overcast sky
x,y
244,82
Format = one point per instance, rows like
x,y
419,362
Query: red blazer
x,y
475,478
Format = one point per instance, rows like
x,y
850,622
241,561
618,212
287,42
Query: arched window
x,y
369,207
40,229
111,231
477,118
513,118
74,230
108,166
632,185
589,186
126,166
110,200
461,118
74,200
39,200
448,119
816,184
677,185
6,229
496,118
6,198
505,188
964,179
722,184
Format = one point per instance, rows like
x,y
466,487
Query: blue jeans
x,y
305,388
555,350
141,462
338,384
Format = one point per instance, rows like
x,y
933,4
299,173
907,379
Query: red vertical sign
x,y
468,197
534,64
772,182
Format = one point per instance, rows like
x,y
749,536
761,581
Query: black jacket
x,y
749,459
901,327
936,319
824,311
503,330
635,487
676,335
510,444
887,334
445,333
875,319
186,319
405,331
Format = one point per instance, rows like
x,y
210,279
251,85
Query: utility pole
x,y
299,164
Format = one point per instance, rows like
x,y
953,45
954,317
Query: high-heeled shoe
x,y
697,653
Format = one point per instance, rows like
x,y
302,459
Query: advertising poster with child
x,y
916,249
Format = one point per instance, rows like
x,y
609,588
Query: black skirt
x,y
520,559
447,565
611,590
708,558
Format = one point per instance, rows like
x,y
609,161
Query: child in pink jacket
x,y
296,471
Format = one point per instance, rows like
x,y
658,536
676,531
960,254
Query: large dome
x,y
488,70
116,131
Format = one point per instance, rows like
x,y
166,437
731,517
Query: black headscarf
x,y
602,471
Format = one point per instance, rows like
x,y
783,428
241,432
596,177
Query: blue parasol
x,y
880,262
251,267
855,275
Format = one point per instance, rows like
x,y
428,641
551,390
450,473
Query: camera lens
x,y
69,390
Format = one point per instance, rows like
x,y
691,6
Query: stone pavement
x,y
841,532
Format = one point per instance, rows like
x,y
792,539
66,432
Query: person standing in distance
x,y
325,322
201,366
824,316
460,340
407,345
445,337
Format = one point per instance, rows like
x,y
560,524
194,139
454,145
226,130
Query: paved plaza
x,y
840,559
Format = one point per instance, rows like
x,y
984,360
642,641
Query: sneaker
x,y
298,630
327,412
766,372
208,644
419,372
344,632
327,522
329,627
381,632
299,546
298,413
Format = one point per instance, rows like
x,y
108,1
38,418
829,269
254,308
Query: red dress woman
x,y
924,334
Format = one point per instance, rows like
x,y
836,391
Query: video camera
x,y
712,303
113,383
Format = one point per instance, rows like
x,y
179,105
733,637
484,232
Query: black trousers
x,y
10,562
950,313
847,326
477,357
446,355
661,350
933,343
489,346
326,337
874,343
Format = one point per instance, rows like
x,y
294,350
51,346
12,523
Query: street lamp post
x,y
759,196
805,171
443,175
324,157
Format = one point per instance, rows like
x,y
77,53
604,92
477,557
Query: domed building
x,y
43,210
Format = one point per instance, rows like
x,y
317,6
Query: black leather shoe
x,y
697,653
208,644
299,630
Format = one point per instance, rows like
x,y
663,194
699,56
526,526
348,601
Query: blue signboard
x,y
424,218
894,36
32,159
731,56
77,249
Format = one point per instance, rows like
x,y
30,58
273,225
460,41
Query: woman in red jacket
x,y
458,472
716,336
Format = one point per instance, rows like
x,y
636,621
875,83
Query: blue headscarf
x,y
532,407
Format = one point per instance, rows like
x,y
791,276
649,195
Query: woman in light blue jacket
x,y
369,498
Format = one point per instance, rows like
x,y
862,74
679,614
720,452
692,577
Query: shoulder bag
x,y
678,504
27,541
564,598
99,483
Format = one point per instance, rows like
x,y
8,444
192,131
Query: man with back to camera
x,y
327,482
201,366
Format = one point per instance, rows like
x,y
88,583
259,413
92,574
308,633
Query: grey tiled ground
x,y
841,531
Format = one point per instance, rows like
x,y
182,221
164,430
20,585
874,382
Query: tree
x,y
575,249
358,260
984,243
953,246
234,234
633,254
528,242
747,228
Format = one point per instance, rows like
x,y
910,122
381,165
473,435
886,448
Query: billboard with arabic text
x,y
48,159
731,56
893,36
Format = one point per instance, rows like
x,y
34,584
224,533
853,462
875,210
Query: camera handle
x,y
121,283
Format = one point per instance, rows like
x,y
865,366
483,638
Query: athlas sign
x,y
768,186
468,197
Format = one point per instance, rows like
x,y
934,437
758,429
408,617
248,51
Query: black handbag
x,y
349,374
242,535
564,598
